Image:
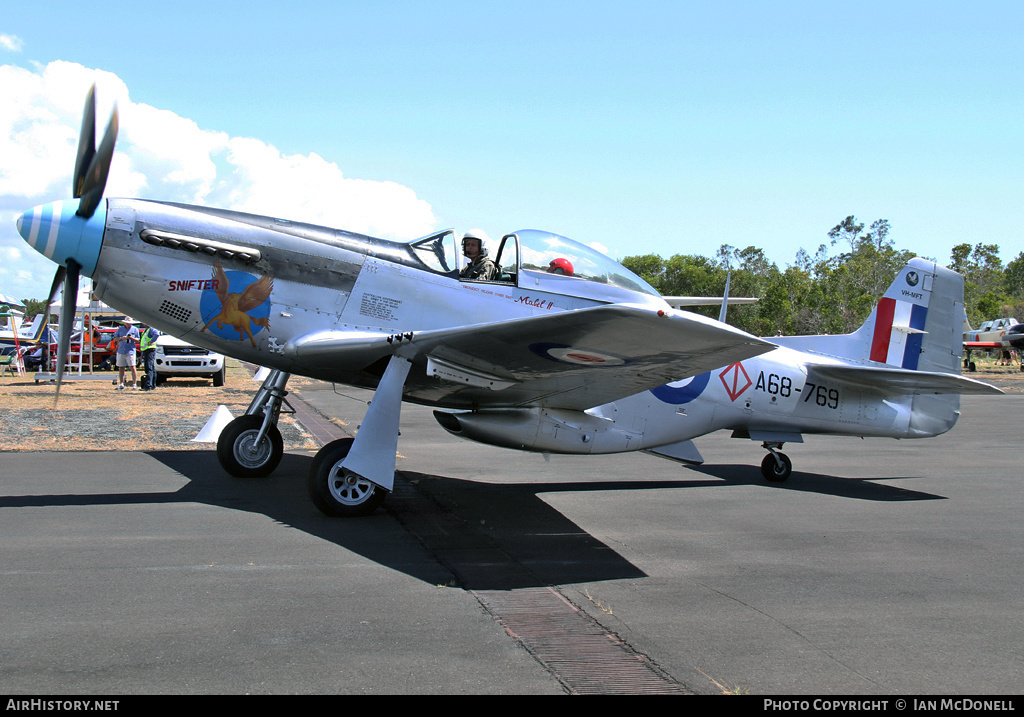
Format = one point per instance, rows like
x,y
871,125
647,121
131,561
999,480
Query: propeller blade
x,y
86,143
58,279
99,167
67,321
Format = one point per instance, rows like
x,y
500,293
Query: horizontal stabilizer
x,y
891,381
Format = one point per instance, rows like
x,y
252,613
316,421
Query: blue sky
x,y
668,127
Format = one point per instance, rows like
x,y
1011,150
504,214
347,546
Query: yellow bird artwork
x,y
234,307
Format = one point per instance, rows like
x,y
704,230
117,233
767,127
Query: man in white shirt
x,y
126,339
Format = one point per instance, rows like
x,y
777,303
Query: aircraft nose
x,y
56,232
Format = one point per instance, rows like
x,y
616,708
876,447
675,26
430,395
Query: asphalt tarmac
x,y
880,568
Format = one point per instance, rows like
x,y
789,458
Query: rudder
x,y
917,324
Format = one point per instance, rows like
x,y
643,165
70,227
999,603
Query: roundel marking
x,y
574,355
680,392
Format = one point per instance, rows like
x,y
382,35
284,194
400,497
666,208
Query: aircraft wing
x,y
901,381
984,345
569,359
678,302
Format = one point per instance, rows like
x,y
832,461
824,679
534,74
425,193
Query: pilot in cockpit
x,y
479,267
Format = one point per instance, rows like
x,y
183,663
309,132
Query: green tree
x,y
1013,276
33,307
826,292
856,279
984,280
648,267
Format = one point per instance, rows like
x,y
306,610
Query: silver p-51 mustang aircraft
x,y
564,351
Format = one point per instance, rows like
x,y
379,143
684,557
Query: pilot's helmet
x,y
560,266
471,235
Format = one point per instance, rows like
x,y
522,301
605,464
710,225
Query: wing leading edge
x,y
570,359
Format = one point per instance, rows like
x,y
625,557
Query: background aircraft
x,y
1005,334
535,360
14,334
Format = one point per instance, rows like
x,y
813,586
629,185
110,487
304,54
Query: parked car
x,y
102,354
175,357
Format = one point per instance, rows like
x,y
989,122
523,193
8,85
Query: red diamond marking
x,y
735,380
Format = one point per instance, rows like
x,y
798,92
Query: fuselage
x,y
254,287
772,398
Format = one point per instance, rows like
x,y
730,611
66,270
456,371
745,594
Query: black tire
x,y
337,493
240,457
218,378
774,473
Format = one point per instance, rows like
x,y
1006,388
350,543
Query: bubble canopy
x,y
549,253
533,256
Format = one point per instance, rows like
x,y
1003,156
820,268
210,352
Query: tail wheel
x,y
337,492
776,471
240,454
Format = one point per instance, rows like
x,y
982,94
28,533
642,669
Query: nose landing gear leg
x,y
251,445
776,466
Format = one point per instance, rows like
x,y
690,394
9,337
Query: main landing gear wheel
x,y
240,454
337,492
776,471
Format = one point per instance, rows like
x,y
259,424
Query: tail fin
x,y
38,326
916,325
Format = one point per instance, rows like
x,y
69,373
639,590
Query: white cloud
x,y
161,155
12,43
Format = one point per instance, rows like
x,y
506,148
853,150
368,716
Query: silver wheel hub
x,y
348,488
248,452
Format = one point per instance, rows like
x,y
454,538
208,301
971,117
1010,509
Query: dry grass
x,y
92,415
1008,378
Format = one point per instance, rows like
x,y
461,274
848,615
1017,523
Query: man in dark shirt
x,y
479,267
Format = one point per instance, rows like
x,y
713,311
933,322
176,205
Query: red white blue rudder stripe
x,y
900,320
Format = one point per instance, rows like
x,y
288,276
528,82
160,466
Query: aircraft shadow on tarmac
x,y
478,535
858,488
522,542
